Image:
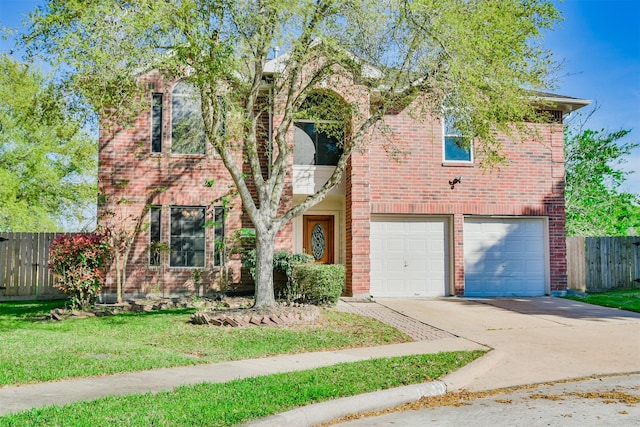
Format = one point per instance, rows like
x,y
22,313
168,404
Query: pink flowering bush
x,y
78,262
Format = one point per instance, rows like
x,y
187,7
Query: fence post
x,y
2,240
636,266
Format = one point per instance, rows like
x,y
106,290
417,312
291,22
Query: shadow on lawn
x,y
29,310
34,311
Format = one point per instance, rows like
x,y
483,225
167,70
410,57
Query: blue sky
x,y
598,43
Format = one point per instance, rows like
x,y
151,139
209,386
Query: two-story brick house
x,y
425,220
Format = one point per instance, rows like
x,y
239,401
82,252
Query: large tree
x,y
594,203
48,161
475,57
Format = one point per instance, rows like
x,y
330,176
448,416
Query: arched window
x,y
319,129
187,127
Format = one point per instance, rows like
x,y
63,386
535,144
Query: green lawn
x,y
36,350
242,400
625,299
33,349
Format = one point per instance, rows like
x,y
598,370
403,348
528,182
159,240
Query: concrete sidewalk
x,y
18,398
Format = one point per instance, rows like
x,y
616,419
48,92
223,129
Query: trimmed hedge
x,y
317,284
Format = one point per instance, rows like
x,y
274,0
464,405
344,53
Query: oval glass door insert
x,y
318,241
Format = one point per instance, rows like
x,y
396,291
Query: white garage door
x,y
409,257
504,257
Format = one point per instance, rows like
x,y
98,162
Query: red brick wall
x,y
529,183
131,177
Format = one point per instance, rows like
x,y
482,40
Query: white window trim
x,y
444,149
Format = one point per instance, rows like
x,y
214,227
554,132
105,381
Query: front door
x,y
318,237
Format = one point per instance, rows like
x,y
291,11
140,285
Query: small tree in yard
x,y
123,223
474,57
78,262
123,229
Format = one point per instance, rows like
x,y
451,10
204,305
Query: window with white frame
x,y
456,147
187,239
156,123
187,127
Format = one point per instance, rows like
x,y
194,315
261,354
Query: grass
x,y
625,299
242,400
35,350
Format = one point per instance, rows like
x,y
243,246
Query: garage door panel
x,y
415,245
504,257
412,255
394,245
515,246
535,265
394,265
534,245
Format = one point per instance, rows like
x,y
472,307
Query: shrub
x,y
282,261
78,262
285,261
318,284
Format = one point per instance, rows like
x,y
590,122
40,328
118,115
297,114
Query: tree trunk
x,y
264,294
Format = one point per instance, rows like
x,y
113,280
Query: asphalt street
x,y
605,401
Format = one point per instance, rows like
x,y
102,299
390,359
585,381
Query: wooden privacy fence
x,y
24,266
602,263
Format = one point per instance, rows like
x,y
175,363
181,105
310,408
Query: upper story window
x,y
187,244
456,147
187,127
319,129
315,146
156,123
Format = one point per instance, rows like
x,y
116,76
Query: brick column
x,y
358,218
458,254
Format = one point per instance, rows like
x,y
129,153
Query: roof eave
x,y
565,104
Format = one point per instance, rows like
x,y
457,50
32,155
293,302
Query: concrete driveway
x,y
534,339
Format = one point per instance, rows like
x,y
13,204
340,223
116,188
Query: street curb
x,y
466,375
330,410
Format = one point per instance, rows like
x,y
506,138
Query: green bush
x,y
78,263
318,284
282,261
286,261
